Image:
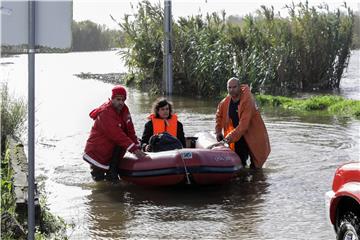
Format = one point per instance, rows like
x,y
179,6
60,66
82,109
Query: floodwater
x,y
285,200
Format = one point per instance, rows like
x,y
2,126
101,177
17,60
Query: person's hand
x,y
219,137
139,154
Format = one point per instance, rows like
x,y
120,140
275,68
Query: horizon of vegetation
x,y
307,51
105,38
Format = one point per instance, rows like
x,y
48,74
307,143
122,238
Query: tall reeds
x,y
306,51
13,115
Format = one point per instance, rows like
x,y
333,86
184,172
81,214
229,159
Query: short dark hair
x,y
236,79
159,103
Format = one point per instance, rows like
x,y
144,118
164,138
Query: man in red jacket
x,y
111,136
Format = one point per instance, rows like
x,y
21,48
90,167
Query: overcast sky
x,y
99,11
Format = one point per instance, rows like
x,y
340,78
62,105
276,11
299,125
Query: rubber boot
x,y
113,174
97,174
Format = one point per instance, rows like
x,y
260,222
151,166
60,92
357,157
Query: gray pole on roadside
x,y
168,73
31,121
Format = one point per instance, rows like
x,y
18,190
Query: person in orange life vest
x,y
162,120
111,136
239,120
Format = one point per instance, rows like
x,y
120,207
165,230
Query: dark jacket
x,y
148,132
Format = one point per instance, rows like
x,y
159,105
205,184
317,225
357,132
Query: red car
x,y
344,202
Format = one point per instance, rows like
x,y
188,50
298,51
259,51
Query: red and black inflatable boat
x,y
194,165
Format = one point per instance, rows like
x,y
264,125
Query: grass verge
x,y
333,105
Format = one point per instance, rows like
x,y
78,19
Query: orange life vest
x,y
164,125
228,129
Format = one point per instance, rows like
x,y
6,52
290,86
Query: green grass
x,y
7,198
51,226
333,105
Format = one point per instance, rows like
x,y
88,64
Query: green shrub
x,y
304,52
7,197
143,39
13,115
51,226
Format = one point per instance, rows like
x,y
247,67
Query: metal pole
x,y
31,120
168,48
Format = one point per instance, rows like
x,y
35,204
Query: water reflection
x,y
124,210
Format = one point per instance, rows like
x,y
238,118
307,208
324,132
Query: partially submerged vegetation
x,y
306,51
13,225
114,78
333,105
10,50
13,115
10,226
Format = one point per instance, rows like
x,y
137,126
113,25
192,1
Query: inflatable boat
x,y
199,163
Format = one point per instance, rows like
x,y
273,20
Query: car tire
x,y
349,228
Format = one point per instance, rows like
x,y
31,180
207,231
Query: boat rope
x,y
185,168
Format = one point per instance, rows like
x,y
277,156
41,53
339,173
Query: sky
x,y
99,11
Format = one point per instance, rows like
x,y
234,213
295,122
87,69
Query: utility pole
x,y
168,73
31,121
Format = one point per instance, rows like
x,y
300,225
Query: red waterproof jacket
x,y
110,129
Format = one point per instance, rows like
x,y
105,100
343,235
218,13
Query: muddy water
x,y
283,201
